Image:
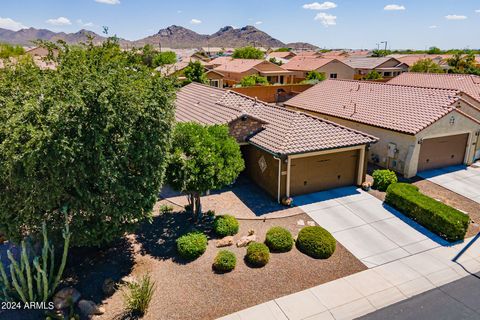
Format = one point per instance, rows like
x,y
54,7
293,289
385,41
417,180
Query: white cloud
x,y
320,6
455,17
10,24
195,21
60,21
85,24
477,11
258,23
326,19
433,27
394,7
108,1
179,11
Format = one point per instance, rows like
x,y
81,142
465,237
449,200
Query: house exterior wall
x,y
268,93
405,159
341,69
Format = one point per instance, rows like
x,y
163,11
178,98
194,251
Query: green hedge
x,y
258,254
316,242
225,261
192,245
383,178
279,239
445,221
226,225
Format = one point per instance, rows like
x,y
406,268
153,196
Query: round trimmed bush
x,y
279,239
225,225
383,178
316,242
258,254
192,245
225,261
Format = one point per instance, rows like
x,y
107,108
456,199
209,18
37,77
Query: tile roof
x,y
243,65
281,54
367,62
301,63
411,59
470,84
285,131
400,108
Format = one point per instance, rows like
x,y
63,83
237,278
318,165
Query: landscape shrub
x,y
443,220
192,245
225,261
225,225
138,294
165,209
258,254
279,239
316,242
383,178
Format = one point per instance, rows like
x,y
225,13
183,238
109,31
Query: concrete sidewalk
x,y
372,289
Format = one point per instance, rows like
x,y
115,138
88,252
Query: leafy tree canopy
x,y
253,80
426,66
203,158
153,58
373,75
315,75
248,53
283,50
7,51
195,72
434,50
277,62
90,137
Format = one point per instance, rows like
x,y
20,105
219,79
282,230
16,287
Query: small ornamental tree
x,y
248,53
91,136
253,80
315,75
373,75
202,158
195,72
426,66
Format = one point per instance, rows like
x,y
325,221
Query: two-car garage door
x,y
322,172
442,152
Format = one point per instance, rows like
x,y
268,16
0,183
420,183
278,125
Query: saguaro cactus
x,y
20,284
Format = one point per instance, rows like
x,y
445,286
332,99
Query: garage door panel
x,y
442,152
323,172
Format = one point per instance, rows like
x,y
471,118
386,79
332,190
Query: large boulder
x,y
245,240
109,286
89,308
224,242
66,297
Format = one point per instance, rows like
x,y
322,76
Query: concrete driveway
x,y
375,233
460,179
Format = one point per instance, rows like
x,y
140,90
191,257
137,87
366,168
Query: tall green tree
x,y
195,72
153,58
253,80
434,50
426,66
373,75
202,158
8,50
91,136
315,75
463,63
248,53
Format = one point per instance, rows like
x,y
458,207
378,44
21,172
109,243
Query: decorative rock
x,y
251,232
66,297
108,286
128,280
89,308
245,240
301,222
311,223
224,242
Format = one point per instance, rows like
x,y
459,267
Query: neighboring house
x,y
332,68
283,56
419,128
177,69
286,153
40,52
234,70
388,67
411,59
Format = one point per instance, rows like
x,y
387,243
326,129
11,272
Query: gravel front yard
x,y
193,291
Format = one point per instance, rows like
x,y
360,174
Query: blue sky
x,y
332,24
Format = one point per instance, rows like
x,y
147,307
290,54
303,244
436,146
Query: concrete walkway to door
x,y
372,231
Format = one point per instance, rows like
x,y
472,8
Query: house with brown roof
x,y
419,128
331,68
281,56
411,59
287,153
234,70
177,69
388,67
